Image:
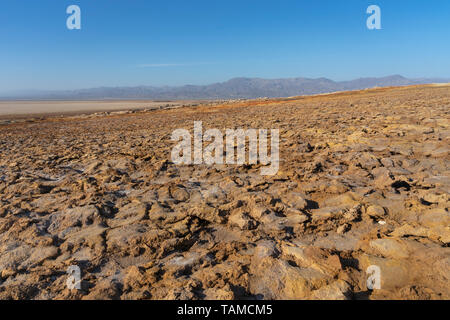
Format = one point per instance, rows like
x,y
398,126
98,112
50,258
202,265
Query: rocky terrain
x,y
363,181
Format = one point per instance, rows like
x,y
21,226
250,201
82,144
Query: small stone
x,y
342,229
242,221
295,200
338,290
375,211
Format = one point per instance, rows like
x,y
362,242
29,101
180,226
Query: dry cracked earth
x,y
363,181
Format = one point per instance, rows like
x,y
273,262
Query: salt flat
x,y
57,107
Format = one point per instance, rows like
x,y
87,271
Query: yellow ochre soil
x,y
363,181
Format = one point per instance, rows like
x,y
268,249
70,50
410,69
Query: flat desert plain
x,y
30,108
357,210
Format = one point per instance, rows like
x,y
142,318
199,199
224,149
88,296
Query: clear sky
x,y
146,42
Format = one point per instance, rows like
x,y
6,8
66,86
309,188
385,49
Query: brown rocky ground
x,y
363,180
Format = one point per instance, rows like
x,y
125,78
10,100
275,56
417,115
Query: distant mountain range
x,y
233,89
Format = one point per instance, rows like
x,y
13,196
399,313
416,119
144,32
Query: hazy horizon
x,y
31,90
240,87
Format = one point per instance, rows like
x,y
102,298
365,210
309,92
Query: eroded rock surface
x,y
364,180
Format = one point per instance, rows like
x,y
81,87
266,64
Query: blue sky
x,y
143,42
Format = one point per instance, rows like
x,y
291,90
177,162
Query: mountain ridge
x,y
235,88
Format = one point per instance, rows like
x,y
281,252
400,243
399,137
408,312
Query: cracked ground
x,y
363,181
